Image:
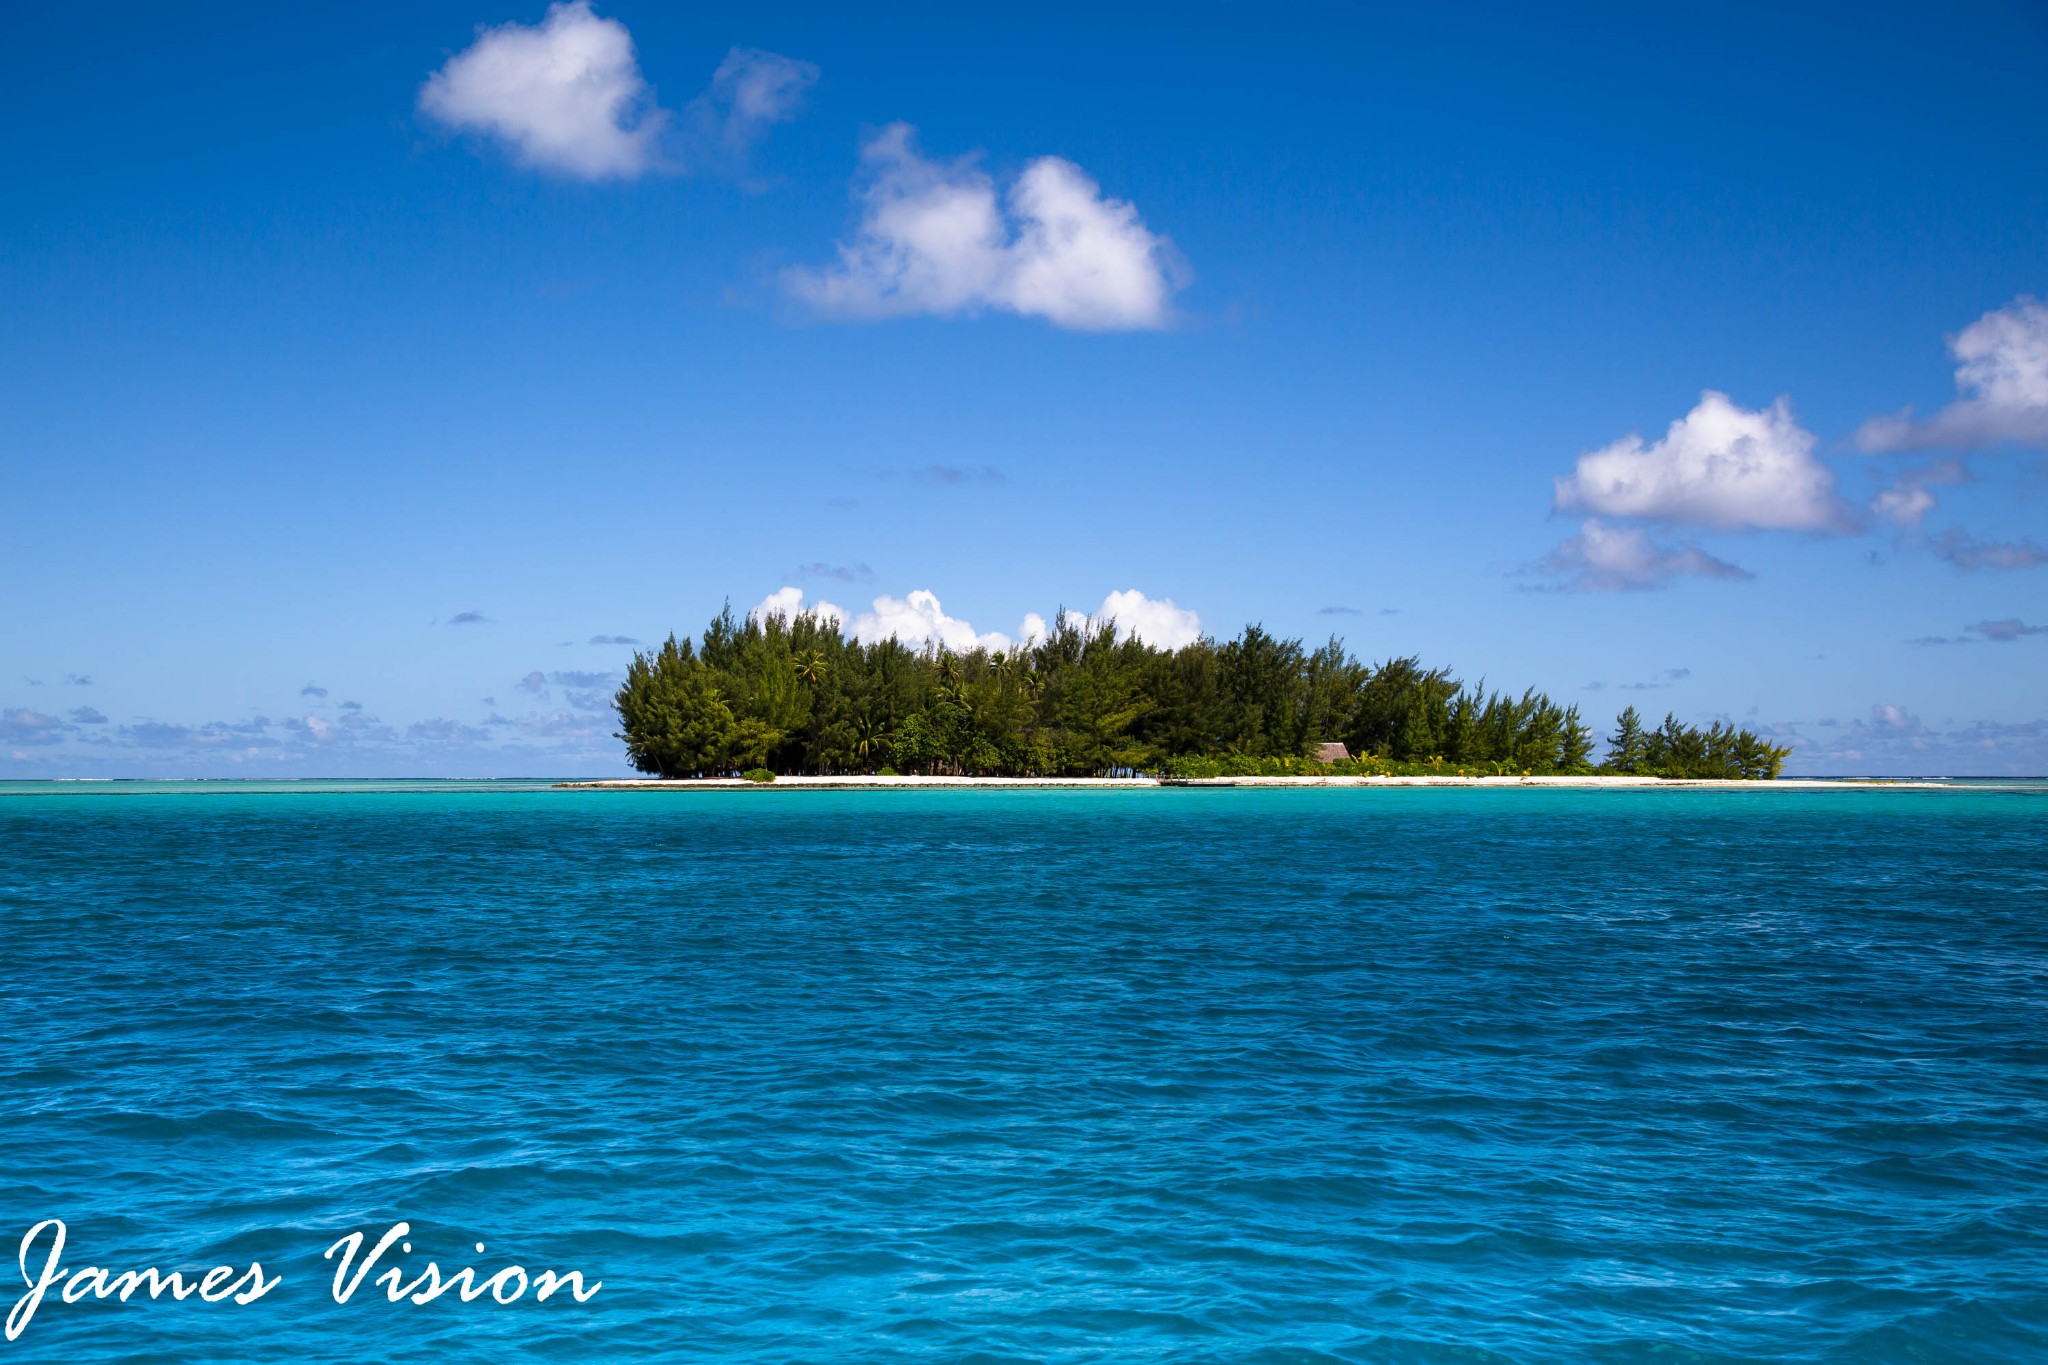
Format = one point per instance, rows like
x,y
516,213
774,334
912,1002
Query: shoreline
x,y
871,782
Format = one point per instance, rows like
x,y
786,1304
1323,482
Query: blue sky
x,y
325,329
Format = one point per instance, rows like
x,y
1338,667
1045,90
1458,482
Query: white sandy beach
x,y
1134,783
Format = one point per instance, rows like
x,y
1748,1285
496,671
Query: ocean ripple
x,y
1257,1076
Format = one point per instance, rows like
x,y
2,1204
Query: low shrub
x,y
758,775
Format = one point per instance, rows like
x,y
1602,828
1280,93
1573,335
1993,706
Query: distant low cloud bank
x,y
1891,739
19,725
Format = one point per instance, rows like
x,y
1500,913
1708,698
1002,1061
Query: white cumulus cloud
x,y
1603,558
1720,465
935,238
2002,379
567,95
918,619
564,95
1081,260
1970,554
1158,622
788,603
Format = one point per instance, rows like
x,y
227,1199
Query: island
x,y
768,696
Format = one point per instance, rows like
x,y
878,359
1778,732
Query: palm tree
x,y
870,737
811,667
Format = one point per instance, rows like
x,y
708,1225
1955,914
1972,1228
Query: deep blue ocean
x,y
1170,1075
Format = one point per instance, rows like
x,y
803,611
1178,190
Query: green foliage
x,y
1625,748
758,775
1719,751
797,695
1678,750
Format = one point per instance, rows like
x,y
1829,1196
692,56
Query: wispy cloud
x,y
86,715
844,573
2000,632
935,238
1669,677
950,476
1338,611
1603,558
313,690
2002,383
613,640
77,680
1970,554
750,92
469,618
1907,499
2006,630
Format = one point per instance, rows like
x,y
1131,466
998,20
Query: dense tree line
x,y
1675,750
797,695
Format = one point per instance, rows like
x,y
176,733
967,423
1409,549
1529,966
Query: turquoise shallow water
x,y
1411,1075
